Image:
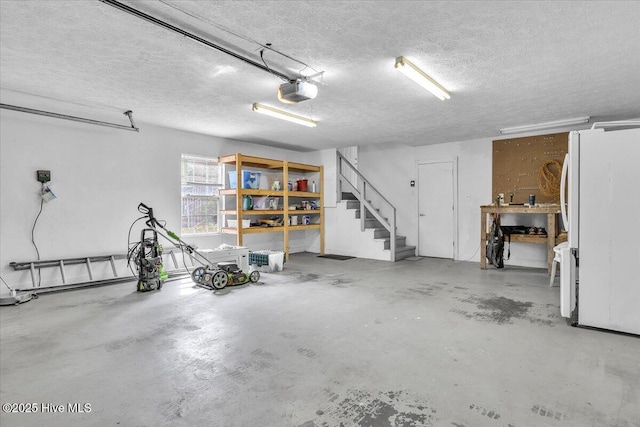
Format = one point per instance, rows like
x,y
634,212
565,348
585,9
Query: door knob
x,y
422,214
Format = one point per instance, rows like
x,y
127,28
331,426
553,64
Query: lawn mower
x,y
225,273
147,255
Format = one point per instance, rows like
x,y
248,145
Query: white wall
x,y
100,175
391,168
327,158
344,237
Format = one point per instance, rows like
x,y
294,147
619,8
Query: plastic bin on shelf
x,y
250,180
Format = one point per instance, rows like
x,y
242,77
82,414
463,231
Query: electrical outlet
x,y
43,176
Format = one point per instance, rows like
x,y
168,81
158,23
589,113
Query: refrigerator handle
x,y
563,188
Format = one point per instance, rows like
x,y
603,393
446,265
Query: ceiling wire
x,y
266,65
250,40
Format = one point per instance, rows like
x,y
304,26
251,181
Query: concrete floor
x,y
322,343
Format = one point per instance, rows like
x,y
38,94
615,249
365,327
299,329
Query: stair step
x,y
403,252
372,223
381,233
355,204
369,215
400,241
352,204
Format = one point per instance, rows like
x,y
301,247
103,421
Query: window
x,y
201,182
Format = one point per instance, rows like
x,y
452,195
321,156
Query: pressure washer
x,y
148,259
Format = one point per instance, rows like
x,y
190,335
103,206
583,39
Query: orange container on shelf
x,y
302,185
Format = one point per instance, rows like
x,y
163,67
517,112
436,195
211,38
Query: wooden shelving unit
x,y
288,170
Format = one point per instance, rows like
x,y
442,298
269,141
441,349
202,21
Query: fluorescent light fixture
x,y
417,75
546,125
284,115
617,123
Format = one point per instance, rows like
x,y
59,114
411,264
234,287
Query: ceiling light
x,y
618,123
284,115
417,75
546,125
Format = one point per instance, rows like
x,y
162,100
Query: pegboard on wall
x,y
529,165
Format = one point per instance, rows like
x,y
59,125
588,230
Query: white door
x,y
436,209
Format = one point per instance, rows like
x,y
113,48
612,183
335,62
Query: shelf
x,y
264,212
304,227
301,212
263,163
250,230
272,212
527,238
525,209
282,169
252,192
530,238
258,192
301,167
303,194
271,193
254,162
262,229
254,212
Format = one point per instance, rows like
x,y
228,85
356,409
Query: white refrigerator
x,y
600,266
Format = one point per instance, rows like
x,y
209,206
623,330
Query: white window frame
x,y
208,186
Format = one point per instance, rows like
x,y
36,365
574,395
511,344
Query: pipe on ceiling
x,y
74,118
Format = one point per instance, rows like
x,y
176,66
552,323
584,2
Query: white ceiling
x,y
505,64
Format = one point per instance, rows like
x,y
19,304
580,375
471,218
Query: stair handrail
x,y
364,185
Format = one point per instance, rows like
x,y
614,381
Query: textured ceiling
x,y
505,64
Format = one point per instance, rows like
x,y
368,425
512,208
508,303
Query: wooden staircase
x,y
402,250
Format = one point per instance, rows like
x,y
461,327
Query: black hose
x,y
33,240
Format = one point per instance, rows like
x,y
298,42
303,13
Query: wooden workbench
x,y
551,239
